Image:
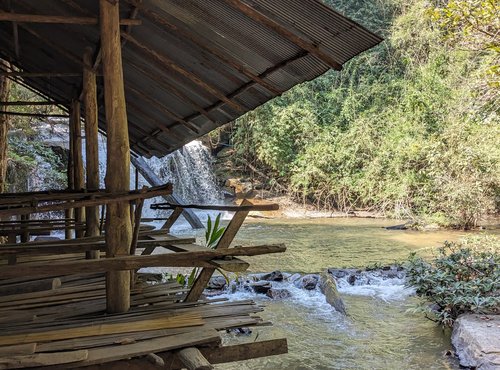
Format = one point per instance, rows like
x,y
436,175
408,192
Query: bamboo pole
x,y
78,178
91,146
118,225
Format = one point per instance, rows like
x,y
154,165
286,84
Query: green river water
x,y
379,331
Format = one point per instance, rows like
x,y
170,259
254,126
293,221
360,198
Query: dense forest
x,y
409,128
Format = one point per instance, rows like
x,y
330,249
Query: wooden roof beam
x,y
248,85
163,109
52,45
146,114
168,86
60,19
40,74
274,25
156,18
32,103
169,63
40,115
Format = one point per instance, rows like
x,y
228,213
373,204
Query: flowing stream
x,y
379,332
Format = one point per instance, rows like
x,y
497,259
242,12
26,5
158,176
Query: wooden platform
x,y
67,327
54,311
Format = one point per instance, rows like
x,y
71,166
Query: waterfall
x,y
189,169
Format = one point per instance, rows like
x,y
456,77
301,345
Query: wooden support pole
x,y
69,212
78,178
118,225
91,146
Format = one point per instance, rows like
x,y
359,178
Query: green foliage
x,y
212,235
213,232
33,165
464,277
409,128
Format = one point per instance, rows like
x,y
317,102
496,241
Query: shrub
x,y
464,277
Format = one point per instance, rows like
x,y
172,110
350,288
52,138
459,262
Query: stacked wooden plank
x,y
67,327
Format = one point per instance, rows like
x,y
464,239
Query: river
x,y
379,332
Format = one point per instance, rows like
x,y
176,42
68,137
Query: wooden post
x,y
91,146
69,213
118,225
78,180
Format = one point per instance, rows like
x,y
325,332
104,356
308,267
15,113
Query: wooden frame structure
x,y
181,81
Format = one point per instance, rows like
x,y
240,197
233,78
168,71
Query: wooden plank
x,y
38,18
173,321
181,259
215,207
218,355
93,200
108,354
20,349
43,359
30,286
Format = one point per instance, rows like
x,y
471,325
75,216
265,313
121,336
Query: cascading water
x,y
189,169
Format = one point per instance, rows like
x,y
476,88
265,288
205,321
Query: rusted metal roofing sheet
x,y
192,65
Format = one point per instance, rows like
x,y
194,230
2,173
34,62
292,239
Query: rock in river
x,y
260,286
278,293
307,282
328,287
273,276
476,339
217,283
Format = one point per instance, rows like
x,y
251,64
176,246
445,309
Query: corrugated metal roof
x,y
192,65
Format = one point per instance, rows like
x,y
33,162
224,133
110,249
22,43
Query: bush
x,y
464,277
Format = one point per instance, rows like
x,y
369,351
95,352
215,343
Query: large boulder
x,y
328,287
476,339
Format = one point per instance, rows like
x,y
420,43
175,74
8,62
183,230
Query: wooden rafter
x,y
31,103
166,62
205,45
273,24
59,19
41,74
168,86
163,108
